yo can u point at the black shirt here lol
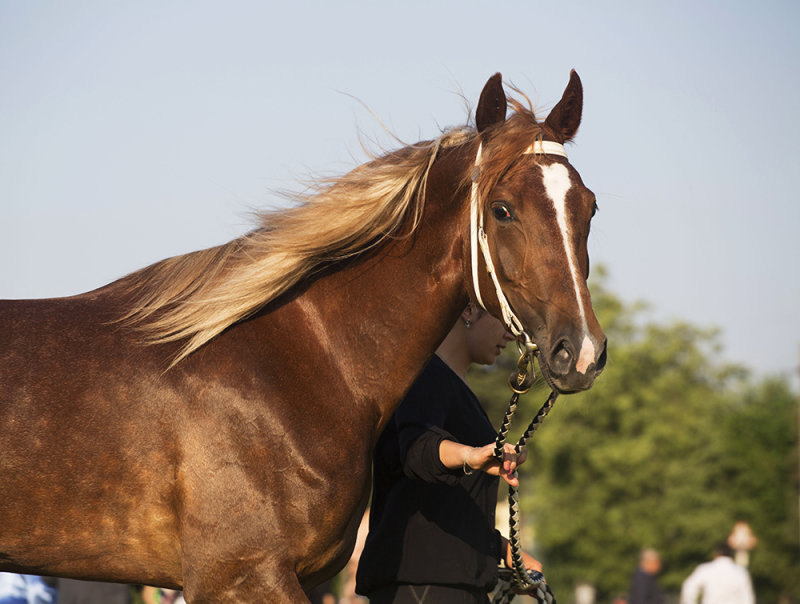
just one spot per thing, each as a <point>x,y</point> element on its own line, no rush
<point>429,524</point>
<point>644,589</point>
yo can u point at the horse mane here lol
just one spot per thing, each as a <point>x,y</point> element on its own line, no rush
<point>196,296</point>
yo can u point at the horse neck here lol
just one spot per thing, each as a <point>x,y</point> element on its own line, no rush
<point>385,316</point>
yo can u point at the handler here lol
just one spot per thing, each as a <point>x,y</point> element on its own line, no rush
<point>431,527</point>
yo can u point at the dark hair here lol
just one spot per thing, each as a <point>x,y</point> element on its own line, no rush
<point>723,549</point>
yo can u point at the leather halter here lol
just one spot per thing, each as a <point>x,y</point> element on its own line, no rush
<point>478,238</point>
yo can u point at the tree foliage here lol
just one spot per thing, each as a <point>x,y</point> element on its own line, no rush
<point>668,450</point>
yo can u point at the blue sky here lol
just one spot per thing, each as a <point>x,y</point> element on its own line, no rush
<point>134,131</point>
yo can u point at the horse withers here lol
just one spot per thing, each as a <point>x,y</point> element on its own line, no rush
<point>207,423</point>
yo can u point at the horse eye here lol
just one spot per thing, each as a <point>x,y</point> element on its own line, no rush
<point>595,209</point>
<point>501,212</point>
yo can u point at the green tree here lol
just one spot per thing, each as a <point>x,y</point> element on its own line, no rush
<point>760,468</point>
<point>667,450</point>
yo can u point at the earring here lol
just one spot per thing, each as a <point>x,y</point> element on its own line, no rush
<point>467,323</point>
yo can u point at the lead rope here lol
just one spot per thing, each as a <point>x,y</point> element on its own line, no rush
<point>529,580</point>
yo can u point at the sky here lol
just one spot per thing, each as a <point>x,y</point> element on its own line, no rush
<point>134,131</point>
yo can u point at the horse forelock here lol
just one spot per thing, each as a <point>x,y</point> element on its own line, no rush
<point>506,144</point>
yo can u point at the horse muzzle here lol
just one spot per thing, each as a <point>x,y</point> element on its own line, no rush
<point>572,365</point>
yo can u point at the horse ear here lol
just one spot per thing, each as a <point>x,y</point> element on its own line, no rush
<point>565,117</point>
<point>492,104</point>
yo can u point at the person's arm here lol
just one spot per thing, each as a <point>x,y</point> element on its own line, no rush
<point>454,455</point>
<point>530,562</point>
<point>750,596</point>
<point>690,589</point>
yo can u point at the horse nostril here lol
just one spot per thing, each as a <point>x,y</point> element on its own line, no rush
<point>561,359</point>
<point>601,362</point>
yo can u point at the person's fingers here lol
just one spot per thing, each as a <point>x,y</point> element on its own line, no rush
<point>483,458</point>
<point>508,455</point>
<point>511,478</point>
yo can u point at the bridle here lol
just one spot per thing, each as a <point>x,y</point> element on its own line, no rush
<point>478,238</point>
<point>520,381</point>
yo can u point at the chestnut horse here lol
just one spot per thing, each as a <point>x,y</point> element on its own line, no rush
<point>207,423</point>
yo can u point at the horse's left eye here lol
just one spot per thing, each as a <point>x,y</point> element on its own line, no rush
<point>501,212</point>
<point>595,209</point>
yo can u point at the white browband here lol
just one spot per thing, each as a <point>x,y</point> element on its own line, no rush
<point>546,148</point>
<point>478,237</point>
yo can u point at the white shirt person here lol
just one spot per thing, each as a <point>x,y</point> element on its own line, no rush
<point>720,581</point>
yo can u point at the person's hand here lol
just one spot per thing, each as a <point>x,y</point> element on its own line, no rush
<point>538,592</point>
<point>482,458</point>
<point>530,562</point>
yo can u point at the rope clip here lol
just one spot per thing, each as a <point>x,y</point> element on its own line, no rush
<point>521,380</point>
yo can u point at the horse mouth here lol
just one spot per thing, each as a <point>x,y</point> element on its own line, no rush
<point>548,377</point>
<point>563,384</point>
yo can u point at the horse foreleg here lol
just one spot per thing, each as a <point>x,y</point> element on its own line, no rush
<point>259,584</point>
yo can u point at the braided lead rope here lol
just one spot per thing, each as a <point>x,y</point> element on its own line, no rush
<point>536,421</point>
<point>519,383</point>
<point>502,433</point>
<point>521,576</point>
<point>504,594</point>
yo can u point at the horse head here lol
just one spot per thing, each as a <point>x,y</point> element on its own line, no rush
<point>530,222</point>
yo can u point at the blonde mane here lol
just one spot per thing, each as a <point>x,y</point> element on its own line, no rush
<point>195,297</point>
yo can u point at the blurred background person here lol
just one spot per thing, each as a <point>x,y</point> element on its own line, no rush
<point>644,582</point>
<point>720,581</point>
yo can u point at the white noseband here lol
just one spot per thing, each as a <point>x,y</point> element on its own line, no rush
<point>478,237</point>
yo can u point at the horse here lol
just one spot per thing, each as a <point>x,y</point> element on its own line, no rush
<point>207,423</point>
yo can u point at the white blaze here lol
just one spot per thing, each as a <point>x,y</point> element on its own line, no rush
<point>556,184</point>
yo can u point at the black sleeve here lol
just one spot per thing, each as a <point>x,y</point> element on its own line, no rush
<point>422,461</point>
<point>420,421</point>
